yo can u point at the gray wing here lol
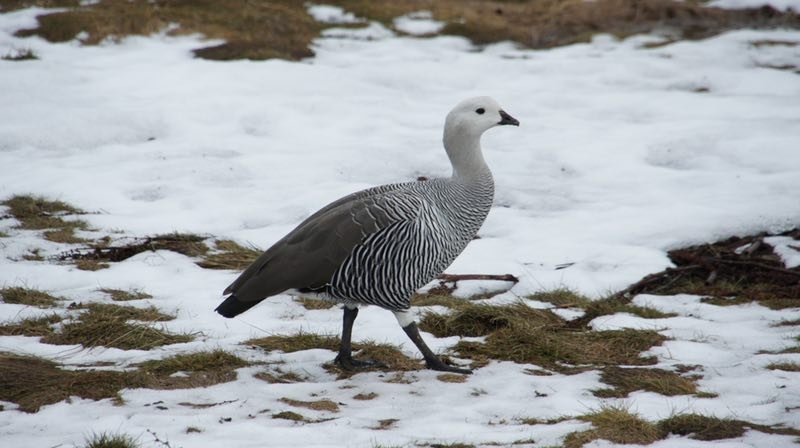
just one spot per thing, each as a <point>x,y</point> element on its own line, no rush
<point>309,255</point>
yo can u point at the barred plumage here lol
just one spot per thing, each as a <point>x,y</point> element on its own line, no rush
<point>378,246</point>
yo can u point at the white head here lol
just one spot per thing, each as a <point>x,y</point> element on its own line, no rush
<point>476,115</point>
<point>463,128</point>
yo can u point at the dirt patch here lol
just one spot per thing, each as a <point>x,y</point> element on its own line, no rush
<point>736,270</point>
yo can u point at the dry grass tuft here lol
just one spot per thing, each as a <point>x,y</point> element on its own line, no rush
<point>522,334</point>
<point>107,325</point>
<point>480,319</point>
<point>296,342</point>
<point>562,298</point>
<point>627,380</point>
<point>365,397</point>
<point>106,440</point>
<point>316,405</point>
<point>229,254</point>
<point>701,427</point>
<point>36,327</point>
<point>110,311</point>
<point>289,415</point>
<point>38,213</point>
<point>200,369</point>
<point>27,296</point>
<point>446,301</point>
<point>280,377</point>
<point>33,382</point>
<point>786,366</point>
<point>617,425</point>
<point>120,295</point>
<point>451,378</point>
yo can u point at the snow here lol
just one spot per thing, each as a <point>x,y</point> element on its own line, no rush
<point>623,153</point>
<point>782,5</point>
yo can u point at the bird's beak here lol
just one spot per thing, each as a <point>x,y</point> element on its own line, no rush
<point>507,119</point>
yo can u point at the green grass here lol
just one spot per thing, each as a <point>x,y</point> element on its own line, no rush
<point>28,296</point>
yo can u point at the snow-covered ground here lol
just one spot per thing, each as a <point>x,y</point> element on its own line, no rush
<point>624,151</point>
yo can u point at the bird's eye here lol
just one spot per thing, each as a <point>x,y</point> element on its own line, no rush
<point>480,111</point>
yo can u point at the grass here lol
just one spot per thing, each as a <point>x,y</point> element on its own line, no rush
<point>786,366</point>
<point>252,30</point>
<point>617,425</point>
<point>112,311</point>
<point>296,342</point>
<point>201,369</point>
<point>35,326</point>
<point>28,296</point>
<point>365,397</point>
<point>261,30</point>
<point>121,295</point>
<point>289,415</point>
<point>33,382</point>
<point>386,354</point>
<point>38,213</point>
<point>316,405</point>
<point>106,440</point>
<point>522,334</point>
<point>278,376</point>
<point>626,380</point>
<point>229,254</point>
<point>107,325</point>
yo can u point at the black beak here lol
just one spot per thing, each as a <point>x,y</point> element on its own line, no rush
<point>507,119</point>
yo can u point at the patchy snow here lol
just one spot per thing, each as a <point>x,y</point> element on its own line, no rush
<point>332,14</point>
<point>782,5</point>
<point>623,153</point>
<point>418,23</point>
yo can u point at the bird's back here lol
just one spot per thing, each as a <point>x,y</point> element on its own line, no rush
<point>376,246</point>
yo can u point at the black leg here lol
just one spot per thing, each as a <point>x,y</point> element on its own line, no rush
<point>345,357</point>
<point>432,361</point>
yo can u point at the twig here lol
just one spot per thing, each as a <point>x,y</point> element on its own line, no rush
<point>459,277</point>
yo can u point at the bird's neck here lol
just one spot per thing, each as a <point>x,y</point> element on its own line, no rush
<point>464,151</point>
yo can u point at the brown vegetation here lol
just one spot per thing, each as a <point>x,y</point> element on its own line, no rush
<point>262,30</point>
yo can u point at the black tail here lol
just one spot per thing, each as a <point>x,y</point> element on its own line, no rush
<point>232,306</point>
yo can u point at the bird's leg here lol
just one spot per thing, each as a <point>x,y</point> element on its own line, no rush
<point>345,357</point>
<point>431,360</point>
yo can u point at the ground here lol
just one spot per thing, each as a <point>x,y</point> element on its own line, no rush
<point>635,283</point>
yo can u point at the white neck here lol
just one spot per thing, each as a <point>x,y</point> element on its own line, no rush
<point>464,150</point>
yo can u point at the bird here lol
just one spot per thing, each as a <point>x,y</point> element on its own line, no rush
<point>380,245</point>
